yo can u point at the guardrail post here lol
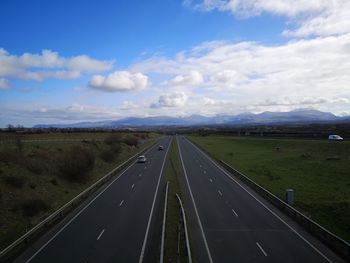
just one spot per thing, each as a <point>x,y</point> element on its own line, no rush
<point>290,196</point>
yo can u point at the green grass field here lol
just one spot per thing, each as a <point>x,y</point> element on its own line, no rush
<point>317,170</point>
<point>172,172</point>
<point>30,172</point>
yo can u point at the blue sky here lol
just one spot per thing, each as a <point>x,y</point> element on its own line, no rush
<point>69,61</point>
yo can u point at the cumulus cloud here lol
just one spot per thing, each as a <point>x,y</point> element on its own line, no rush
<point>119,81</point>
<point>227,78</point>
<point>288,101</point>
<point>193,78</point>
<point>48,64</point>
<point>248,8</point>
<point>248,73</point>
<point>4,84</point>
<point>28,114</point>
<point>172,100</point>
<point>310,17</point>
<point>86,64</point>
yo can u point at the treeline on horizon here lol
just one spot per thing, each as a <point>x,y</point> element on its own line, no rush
<point>287,130</point>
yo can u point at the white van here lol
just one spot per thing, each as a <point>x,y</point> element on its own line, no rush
<point>335,137</point>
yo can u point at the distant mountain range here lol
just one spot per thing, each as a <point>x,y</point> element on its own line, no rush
<point>300,116</point>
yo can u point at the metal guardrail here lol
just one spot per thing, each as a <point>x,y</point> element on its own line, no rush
<point>189,255</point>
<point>161,260</point>
<point>339,245</point>
<point>65,209</point>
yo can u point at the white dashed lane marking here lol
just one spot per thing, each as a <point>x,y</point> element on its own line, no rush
<point>262,250</point>
<point>233,211</point>
<point>99,236</point>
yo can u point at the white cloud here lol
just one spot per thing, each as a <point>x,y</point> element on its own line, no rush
<point>28,114</point>
<point>334,20</point>
<point>227,78</point>
<point>172,100</point>
<point>128,105</point>
<point>48,64</point>
<point>58,74</point>
<point>256,7</point>
<point>310,17</point>
<point>4,83</point>
<point>193,78</point>
<point>249,73</point>
<point>86,64</point>
<point>290,101</point>
<point>119,81</point>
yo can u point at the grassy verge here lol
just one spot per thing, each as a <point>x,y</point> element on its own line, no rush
<point>172,172</point>
<point>33,183</point>
<point>317,170</point>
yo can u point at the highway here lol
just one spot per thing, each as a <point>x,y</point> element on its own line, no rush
<point>232,225</point>
<point>119,224</point>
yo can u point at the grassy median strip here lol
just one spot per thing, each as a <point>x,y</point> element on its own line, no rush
<point>317,170</point>
<point>173,249</point>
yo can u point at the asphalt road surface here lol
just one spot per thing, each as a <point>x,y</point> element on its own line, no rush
<point>233,224</point>
<point>120,224</point>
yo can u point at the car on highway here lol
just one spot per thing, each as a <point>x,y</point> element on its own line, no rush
<point>335,137</point>
<point>160,148</point>
<point>141,159</point>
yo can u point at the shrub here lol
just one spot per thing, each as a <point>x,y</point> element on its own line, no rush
<point>54,181</point>
<point>33,207</point>
<point>113,139</point>
<point>131,140</point>
<point>34,165</point>
<point>76,162</point>
<point>14,181</point>
<point>19,144</point>
<point>107,155</point>
<point>116,148</point>
<point>10,156</point>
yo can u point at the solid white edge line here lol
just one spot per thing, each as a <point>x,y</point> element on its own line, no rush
<point>99,236</point>
<point>194,205</point>
<point>161,260</point>
<point>189,254</point>
<point>233,211</point>
<point>260,202</point>
<point>82,210</point>
<point>262,250</point>
<point>154,201</point>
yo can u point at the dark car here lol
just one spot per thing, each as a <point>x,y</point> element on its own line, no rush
<point>160,148</point>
